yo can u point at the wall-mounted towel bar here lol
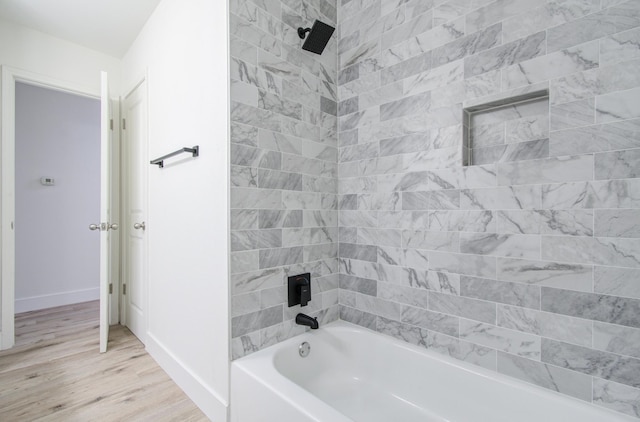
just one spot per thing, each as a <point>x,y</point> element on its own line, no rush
<point>195,151</point>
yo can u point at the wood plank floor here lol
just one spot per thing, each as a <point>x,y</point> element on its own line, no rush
<point>55,373</point>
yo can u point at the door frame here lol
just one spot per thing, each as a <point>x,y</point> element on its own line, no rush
<point>124,202</point>
<point>11,75</point>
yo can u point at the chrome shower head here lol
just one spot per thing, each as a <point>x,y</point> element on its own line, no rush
<point>319,35</point>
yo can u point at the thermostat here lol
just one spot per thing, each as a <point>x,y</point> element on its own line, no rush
<point>47,181</point>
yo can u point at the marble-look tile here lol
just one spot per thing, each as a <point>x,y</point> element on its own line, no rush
<point>487,135</point>
<point>552,65</point>
<point>617,281</point>
<point>406,295</point>
<point>255,157</point>
<point>617,165</point>
<point>358,218</point>
<point>245,303</point>
<point>462,177</point>
<point>243,134</point>
<point>620,47</point>
<point>468,45</point>
<point>278,257</point>
<point>529,128</point>
<point>361,252</point>
<point>559,327</point>
<point>477,310</point>
<point>413,258</point>
<point>242,240</point>
<point>244,177</point>
<point>570,222</point>
<point>618,106</point>
<point>442,200</point>
<point>463,221</point>
<point>557,379</point>
<point>358,284</point>
<point>518,221</point>
<point>514,197</point>
<point>618,397</point>
<point>358,317</point>
<point>244,324</point>
<point>411,66</point>
<point>360,53</point>
<point>382,237</point>
<point>378,306</point>
<point>255,198</point>
<point>433,321</point>
<point>272,179</point>
<point>505,55</point>
<point>447,11</point>
<point>510,341</point>
<point>617,223</point>
<point>501,292</point>
<point>244,261</point>
<point>592,362</point>
<point>411,28</point>
<point>549,170</point>
<point>434,241</point>
<point>550,14</point>
<point>616,339</point>
<point>596,25</point>
<point>278,66</point>
<point>610,309</point>
<point>522,151</point>
<point>599,250</point>
<point>247,282</point>
<point>407,106</point>
<point>573,114</point>
<point>496,12</point>
<point>597,138</point>
<point>271,219</point>
<point>244,93</point>
<point>505,245</point>
<point>463,350</point>
<point>276,141</point>
<point>599,194</point>
<point>255,117</point>
<point>446,81</point>
<point>545,273</point>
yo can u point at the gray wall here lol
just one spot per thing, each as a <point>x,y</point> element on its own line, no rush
<point>529,264</point>
<point>57,257</point>
<point>284,169</point>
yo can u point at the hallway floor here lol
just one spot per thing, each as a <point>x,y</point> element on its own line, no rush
<point>55,373</point>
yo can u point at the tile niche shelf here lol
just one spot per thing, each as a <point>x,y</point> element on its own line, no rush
<point>509,129</point>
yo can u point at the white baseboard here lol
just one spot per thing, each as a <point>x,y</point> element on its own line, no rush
<point>56,299</point>
<point>211,404</point>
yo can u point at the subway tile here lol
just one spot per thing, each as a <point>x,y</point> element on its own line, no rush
<point>407,106</point>
<point>477,310</point>
<point>496,12</point>
<point>514,152</point>
<point>603,308</point>
<point>547,376</point>
<point>361,252</point>
<point>549,170</point>
<point>279,257</point>
<point>413,258</point>
<point>379,307</point>
<point>617,281</point>
<point>415,297</point>
<point>468,45</point>
<point>243,219</point>
<point>596,25</point>
<point>598,194</point>
<point>546,273</point>
<point>501,292</point>
<point>559,327</point>
<point>514,197</point>
<point>573,114</point>
<point>244,324</point>
<point>592,362</point>
<point>463,221</point>
<point>251,281</point>
<point>434,241</point>
<point>617,165</point>
<point>462,350</point>
<point>587,250</point>
<point>510,341</point>
<point>506,245</point>
<point>618,397</point>
<point>620,47</point>
<point>272,179</point>
<point>616,339</point>
<point>618,106</point>
<point>597,138</point>
<point>429,320</point>
<point>242,240</point>
<point>358,317</point>
<point>617,223</point>
<point>505,55</point>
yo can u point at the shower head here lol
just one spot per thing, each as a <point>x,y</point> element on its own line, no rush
<point>319,35</point>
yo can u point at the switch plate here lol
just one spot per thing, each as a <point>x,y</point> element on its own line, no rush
<point>294,297</point>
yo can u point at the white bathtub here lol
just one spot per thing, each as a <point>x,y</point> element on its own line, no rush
<point>353,374</point>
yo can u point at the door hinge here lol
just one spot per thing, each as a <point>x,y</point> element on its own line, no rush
<point>124,124</point>
<point>124,289</point>
<point>111,124</point>
<point>110,288</point>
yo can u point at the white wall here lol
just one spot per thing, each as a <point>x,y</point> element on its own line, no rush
<point>57,258</point>
<point>184,48</point>
<point>27,49</point>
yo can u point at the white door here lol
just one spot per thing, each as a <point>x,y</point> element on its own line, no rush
<point>135,208</point>
<point>105,226</point>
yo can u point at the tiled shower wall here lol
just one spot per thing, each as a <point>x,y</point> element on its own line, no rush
<point>284,169</point>
<point>529,262</point>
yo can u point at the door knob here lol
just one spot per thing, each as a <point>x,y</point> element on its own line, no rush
<point>94,227</point>
<point>113,226</point>
<point>139,226</point>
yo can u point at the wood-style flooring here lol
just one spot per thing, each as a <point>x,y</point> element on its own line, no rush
<point>55,373</point>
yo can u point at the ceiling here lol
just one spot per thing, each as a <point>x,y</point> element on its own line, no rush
<point>109,26</point>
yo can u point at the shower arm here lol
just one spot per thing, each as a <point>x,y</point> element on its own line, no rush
<point>302,32</point>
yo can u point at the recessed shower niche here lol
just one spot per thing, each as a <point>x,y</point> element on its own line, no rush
<point>511,129</point>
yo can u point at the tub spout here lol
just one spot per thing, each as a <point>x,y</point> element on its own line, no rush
<point>302,319</point>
